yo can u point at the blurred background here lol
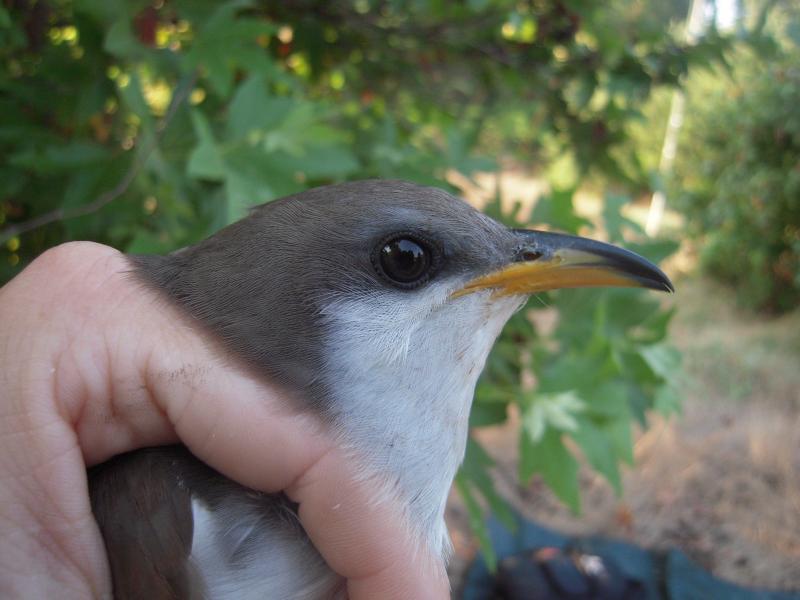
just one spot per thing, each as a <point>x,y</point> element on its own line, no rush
<point>669,126</point>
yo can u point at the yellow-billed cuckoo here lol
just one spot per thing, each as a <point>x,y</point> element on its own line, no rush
<point>376,303</point>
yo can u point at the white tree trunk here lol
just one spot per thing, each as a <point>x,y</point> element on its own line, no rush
<point>695,23</point>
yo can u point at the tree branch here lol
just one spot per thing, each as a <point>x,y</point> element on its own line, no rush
<point>182,92</point>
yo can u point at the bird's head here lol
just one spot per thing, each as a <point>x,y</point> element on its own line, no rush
<point>375,304</point>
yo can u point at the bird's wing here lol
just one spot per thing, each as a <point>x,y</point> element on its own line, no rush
<point>176,529</point>
<point>145,517</point>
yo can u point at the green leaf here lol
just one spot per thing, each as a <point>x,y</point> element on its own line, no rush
<point>551,410</point>
<point>120,40</point>
<point>146,242</point>
<point>655,251</point>
<point>478,5</point>
<point>570,371</point>
<point>654,329</point>
<point>554,462</point>
<point>619,433</point>
<point>329,160</point>
<point>667,400</point>
<point>227,42</point>
<point>103,10</point>
<point>63,158</point>
<point>492,392</point>
<point>133,97</point>
<point>503,364</point>
<point>606,399</point>
<point>484,414</point>
<point>242,193</point>
<point>614,220</point>
<point>664,360</point>
<point>639,403</point>
<point>458,153</point>
<point>580,90</point>
<point>82,186</point>
<point>793,31</point>
<point>599,451</point>
<point>205,160</point>
<point>253,109</point>
<point>635,368</point>
<point>253,177</point>
<point>476,468</point>
<point>627,309</point>
<point>476,521</point>
<point>304,126</point>
<point>557,211</point>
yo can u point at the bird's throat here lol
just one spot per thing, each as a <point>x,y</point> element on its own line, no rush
<point>403,378</point>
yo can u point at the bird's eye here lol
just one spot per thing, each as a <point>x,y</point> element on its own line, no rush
<point>405,260</point>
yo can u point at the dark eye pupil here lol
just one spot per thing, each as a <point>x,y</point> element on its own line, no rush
<point>404,260</point>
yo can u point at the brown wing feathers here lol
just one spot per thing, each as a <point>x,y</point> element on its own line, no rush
<point>145,517</point>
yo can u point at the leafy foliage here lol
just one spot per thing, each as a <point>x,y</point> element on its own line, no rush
<point>148,125</point>
<point>604,365</point>
<point>740,174</point>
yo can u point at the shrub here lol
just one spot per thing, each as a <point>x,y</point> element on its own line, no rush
<point>739,177</point>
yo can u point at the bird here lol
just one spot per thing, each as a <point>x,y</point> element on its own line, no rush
<point>376,304</point>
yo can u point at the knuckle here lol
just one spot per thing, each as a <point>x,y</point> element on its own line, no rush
<point>72,255</point>
<point>73,273</point>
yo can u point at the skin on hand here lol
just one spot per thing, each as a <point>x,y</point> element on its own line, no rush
<point>93,365</point>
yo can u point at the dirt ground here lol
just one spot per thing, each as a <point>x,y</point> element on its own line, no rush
<point>722,480</point>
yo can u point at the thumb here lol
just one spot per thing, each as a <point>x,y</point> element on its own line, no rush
<point>132,371</point>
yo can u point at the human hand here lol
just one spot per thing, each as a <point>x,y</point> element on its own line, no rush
<point>94,365</point>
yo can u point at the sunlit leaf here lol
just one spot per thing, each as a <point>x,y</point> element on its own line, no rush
<point>558,411</point>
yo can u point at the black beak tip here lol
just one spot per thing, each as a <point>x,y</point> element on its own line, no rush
<point>663,284</point>
<point>645,272</point>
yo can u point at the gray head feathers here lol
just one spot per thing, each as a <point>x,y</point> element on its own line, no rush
<point>261,284</point>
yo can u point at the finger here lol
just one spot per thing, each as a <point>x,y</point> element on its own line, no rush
<point>363,535</point>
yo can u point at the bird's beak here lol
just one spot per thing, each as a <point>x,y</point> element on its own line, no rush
<point>544,261</point>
